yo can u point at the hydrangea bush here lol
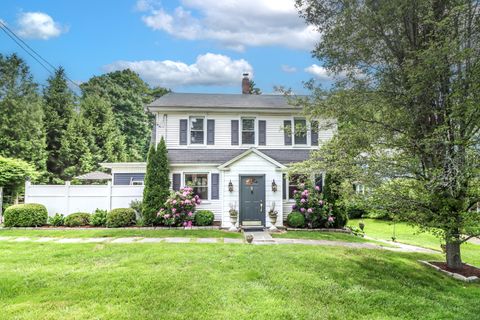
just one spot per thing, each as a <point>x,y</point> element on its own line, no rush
<point>309,202</point>
<point>179,209</point>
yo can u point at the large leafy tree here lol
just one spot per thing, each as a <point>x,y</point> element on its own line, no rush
<point>22,133</point>
<point>127,94</point>
<point>13,173</point>
<point>109,142</point>
<point>407,104</point>
<point>157,182</point>
<point>59,103</point>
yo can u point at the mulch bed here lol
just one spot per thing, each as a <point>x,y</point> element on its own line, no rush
<point>466,271</point>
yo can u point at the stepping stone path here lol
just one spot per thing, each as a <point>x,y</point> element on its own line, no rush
<point>259,238</point>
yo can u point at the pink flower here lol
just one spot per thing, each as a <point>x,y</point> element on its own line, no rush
<point>331,219</point>
<point>174,210</point>
<point>302,200</point>
<point>189,224</point>
<point>188,201</point>
<point>317,188</point>
<point>174,202</point>
<point>190,213</point>
<point>185,224</point>
<point>177,215</point>
<point>166,216</point>
<point>185,194</point>
<point>302,209</point>
<point>310,210</point>
<point>197,197</point>
<point>295,191</point>
<point>199,201</point>
<point>320,202</point>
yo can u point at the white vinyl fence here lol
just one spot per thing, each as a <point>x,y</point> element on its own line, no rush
<point>67,199</point>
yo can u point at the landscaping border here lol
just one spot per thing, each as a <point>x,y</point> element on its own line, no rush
<point>119,228</point>
<point>452,274</point>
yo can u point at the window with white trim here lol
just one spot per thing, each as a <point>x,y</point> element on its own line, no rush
<point>197,130</point>
<point>294,182</point>
<point>300,129</point>
<point>248,130</point>
<point>199,183</point>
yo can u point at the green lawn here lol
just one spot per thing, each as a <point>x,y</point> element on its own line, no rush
<point>381,229</point>
<point>320,235</point>
<point>98,233</point>
<point>218,281</point>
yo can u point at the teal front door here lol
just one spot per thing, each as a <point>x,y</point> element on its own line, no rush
<point>252,200</point>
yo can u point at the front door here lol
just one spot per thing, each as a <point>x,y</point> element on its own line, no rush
<point>252,200</point>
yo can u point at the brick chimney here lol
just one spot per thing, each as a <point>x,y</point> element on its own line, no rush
<point>245,84</point>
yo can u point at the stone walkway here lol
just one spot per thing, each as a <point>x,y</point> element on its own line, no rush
<point>260,238</point>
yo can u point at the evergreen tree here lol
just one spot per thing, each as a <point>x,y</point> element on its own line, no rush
<point>127,95</point>
<point>22,134</point>
<point>59,103</point>
<point>157,183</point>
<point>78,148</point>
<point>109,142</point>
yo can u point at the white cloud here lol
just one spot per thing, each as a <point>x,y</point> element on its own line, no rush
<point>234,24</point>
<point>208,70</point>
<point>319,72</point>
<point>38,25</point>
<point>288,69</point>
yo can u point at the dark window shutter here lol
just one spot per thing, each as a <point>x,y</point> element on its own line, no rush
<point>287,126</point>
<point>176,181</point>
<point>262,132</point>
<point>215,186</point>
<point>314,135</point>
<point>284,186</point>
<point>210,131</point>
<point>234,132</point>
<point>183,131</point>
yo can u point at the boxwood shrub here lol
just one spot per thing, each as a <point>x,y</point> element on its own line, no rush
<point>77,219</point>
<point>121,217</point>
<point>25,215</point>
<point>296,220</point>
<point>204,218</point>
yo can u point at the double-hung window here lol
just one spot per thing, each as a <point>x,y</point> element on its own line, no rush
<point>300,129</point>
<point>248,130</point>
<point>199,183</point>
<point>197,130</point>
<point>294,182</point>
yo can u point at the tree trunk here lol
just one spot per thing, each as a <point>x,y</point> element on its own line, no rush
<point>454,260</point>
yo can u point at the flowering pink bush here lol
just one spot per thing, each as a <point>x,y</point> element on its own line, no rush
<point>179,209</point>
<point>309,202</point>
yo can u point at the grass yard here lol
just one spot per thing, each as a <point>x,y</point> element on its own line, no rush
<point>217,281</point>
<point>99,233</point>
<point>381,229</point>
<point>320,235</point>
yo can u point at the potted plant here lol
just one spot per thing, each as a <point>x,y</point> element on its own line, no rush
<point>273,214</point>
<point>233,217</point>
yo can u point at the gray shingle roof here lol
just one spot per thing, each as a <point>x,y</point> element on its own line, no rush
<point>233,101</point>
<point>220,156</point>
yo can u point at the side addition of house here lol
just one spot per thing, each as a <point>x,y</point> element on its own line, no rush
<point>233,149</point>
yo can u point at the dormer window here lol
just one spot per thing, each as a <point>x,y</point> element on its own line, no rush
<point>248,130</point>
<point>197,130</point>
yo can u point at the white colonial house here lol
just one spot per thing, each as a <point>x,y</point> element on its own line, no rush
<point>233,150</point>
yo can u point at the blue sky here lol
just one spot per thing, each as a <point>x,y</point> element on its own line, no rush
<point>186,45</point>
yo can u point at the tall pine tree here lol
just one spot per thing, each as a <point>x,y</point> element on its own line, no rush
<point>107,137</point>
<point>59,103</point>
<point>78,148</point>
<point>157,182</point>
<point>22,133</point>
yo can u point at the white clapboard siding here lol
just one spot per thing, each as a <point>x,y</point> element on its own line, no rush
<point>169,127</point>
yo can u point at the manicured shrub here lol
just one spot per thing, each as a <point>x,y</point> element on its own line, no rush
<point>121,217</point>
<point>296,220</point>
<point>99,218</point>
<point>179,208</point>
<point>340,217</point>
<point>204,218</point>
<point>25,215</point>
<point>77,219</point>
<point>57,220</point>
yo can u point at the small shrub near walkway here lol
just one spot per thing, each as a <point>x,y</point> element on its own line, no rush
<point>25,215</point>
<point>121,217</point>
